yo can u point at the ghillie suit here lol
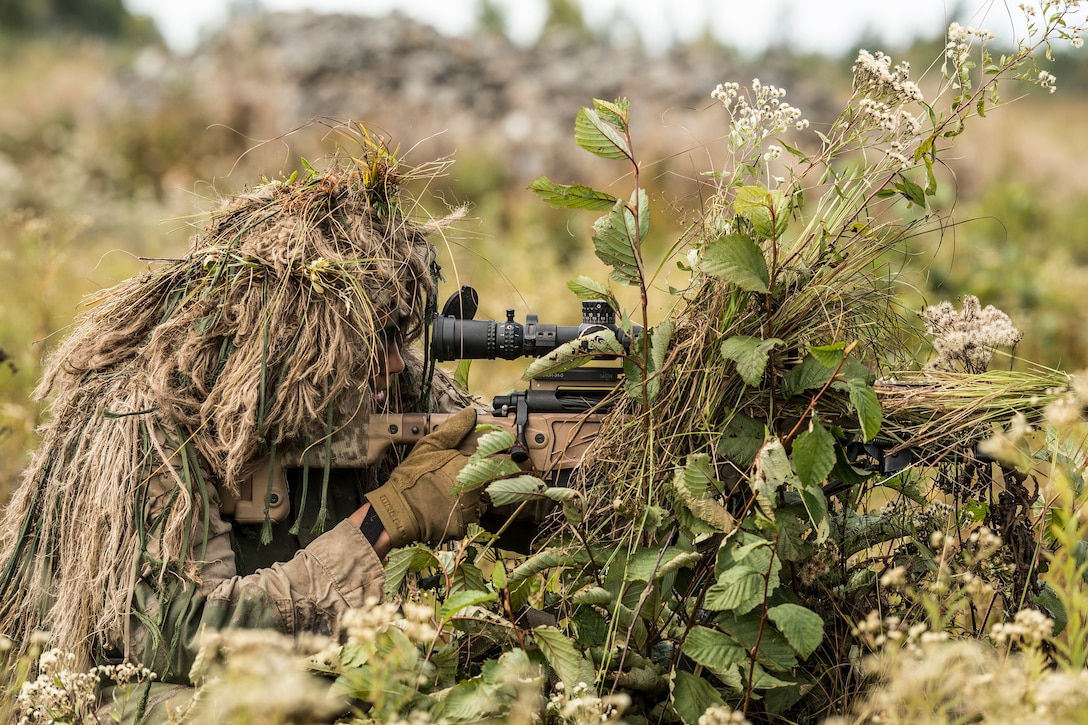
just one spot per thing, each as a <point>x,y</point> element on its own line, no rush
<point>264,338</point>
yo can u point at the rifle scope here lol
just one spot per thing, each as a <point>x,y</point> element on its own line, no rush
<point>457,339</point>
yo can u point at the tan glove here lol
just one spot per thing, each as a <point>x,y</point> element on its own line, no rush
<point>415,503</point>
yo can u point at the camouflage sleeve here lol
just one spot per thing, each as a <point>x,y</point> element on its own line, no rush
<point>306,594</point>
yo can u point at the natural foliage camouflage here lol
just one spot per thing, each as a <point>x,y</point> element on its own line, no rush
<point>183,373</point>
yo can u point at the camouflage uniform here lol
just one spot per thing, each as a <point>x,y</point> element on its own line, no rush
<point>296,584</point>
<point>306,593</point>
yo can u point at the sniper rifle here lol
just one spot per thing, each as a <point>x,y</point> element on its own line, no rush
<point>553,422</point>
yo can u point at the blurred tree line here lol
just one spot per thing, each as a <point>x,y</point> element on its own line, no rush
<point>104,18</point>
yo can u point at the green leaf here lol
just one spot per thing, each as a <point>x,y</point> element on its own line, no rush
<point>641,201</point>
<point>460,373</point>
<point>576,353</point>
<point>790,529</point>
<point>738,589</point>
<point>586,288</point>
<point>682,560</point>
<point>695,486</point>
<point>574,504</point>
<point>660,336</point>
<point>867,405</point>
<point>692,696</point>
<point>751,550</point>
<point>658,339</point>
<point>697,477</point>
<point>541,562</point>
<point>494,441</point>
<point>814,454</point>
<point>742,439</point>
<point>648,563</point>
<point>809,374</point>
<point>402,561</point>
<point>600,137</point>
<point>801,156</point>
<point>763,680</point>
<point>712,649</point>
<point>466,578</point>
<point>569,666</point>
<point>615,239</point>
<point>756,554</point>
<point>751,355</point>
<point>767,211</point>
<point>479,471</point>
<point>914,193</point>
<point>516,490</point>
<point>816,506</point>
<point>1048,600</point>
<point>803,628</point>
<point>614,113</point>
<point>853,371</point>
<point>738,260</point>
<point>470,701</point>
<point>575,196</point>
<point>498,575</point>
<point>828,355</point>
<point>773,469</point>
<point>593,595</point>
<point>774,651</point>
<point>444,659</point>
<point>461,600</point>
<point>774,465</point>
<point>589,626</point>
<point>559,493</point>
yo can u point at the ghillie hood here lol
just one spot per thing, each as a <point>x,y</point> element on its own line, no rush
<point>264,335</point>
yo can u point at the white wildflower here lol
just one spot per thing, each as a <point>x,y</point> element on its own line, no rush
<point>894,578</point>
<point>1005,445</point>
<point>418,623</point>
<point>60,693</point>
<point>1064,412</point>
<point>726,93</point>
<point>362,624</point>
<point>1029,627</point>
<point>959,41</point>
<point>722,715</point>
<point>964,341</point>
<point>693,264</point>
<point>1079,383</point>
<point>876,78</point>
<point>582,705</point>
<point>1048,81</point>
<point>757,118</point>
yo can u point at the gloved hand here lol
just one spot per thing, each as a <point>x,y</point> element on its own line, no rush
<point>415,503</point>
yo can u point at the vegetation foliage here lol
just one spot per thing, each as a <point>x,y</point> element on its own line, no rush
<point>790,514</point>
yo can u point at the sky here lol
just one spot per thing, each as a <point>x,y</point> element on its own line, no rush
<point>808,25</point>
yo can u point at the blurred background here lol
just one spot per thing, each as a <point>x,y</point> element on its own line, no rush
<point>121,121</point>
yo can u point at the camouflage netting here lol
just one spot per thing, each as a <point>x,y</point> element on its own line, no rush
<point>264,335</point>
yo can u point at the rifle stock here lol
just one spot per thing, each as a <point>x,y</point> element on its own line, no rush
<point>551,442</point>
